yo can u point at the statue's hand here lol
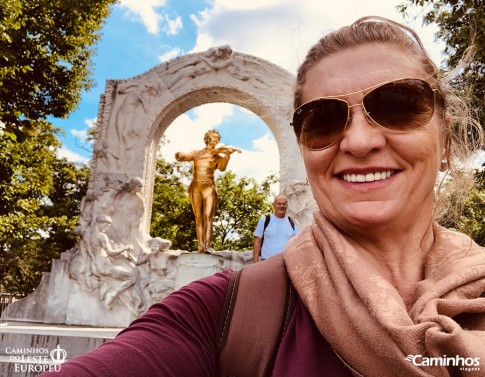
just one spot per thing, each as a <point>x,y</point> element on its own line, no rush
<point>227,150</point>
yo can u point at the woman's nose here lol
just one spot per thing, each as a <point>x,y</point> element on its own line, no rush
<point>362,136</point>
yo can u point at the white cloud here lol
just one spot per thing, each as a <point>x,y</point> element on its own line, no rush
<point>282,31</point>
<point>82,135</point>
<point>173,25</point>
<point>247,4</point>
<point>170,54</point>
<point>186,134</point>
<point>71,156</point>
<point>145,10</point>
<point>91,122</point>
<point>249,163</point>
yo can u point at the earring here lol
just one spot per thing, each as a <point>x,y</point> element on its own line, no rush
<point>444,165</point>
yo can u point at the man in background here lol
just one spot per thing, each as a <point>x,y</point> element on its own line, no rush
<point>273,231</point>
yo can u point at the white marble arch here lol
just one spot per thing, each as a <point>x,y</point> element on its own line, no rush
<point>134,114</point>
<point>117,269</point>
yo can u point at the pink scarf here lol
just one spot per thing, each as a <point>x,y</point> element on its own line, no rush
<point>365,320</point>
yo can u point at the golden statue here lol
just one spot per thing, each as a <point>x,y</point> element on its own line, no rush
<point>202,189</point>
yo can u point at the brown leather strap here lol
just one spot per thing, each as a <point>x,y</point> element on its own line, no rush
<point>259,304</point>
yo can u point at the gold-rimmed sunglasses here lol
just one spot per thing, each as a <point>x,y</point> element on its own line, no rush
<point>400,106</point>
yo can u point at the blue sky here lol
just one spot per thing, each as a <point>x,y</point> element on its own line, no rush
<point>140,34</point>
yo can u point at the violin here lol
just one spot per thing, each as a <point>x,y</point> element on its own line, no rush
<point>226,149</point>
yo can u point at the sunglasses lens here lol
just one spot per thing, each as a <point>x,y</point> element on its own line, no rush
<point>401,105</point>
<point>320,123</point>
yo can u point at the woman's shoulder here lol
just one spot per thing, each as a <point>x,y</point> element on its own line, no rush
<point>208,292</point>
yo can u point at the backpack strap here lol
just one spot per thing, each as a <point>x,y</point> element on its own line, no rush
<point>259,304</point>
<point>266,223</point>
<point>292,223</point>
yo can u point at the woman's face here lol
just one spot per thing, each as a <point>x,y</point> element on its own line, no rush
<point>392,202</point>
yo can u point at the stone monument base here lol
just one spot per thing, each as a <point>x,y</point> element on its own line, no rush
<point>59,299</point>
<point>28,349</point>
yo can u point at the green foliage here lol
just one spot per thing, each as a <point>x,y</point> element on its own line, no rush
<point>45,55</point>
<point>39,203</point>
<point>241,203</point>
<point>25,177</point>
<point>472,221</point>
<point>45,58</point>
<point>460,24</point>
<point>172,216</point>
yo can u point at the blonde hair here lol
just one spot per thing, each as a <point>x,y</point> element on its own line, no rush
<point>462,134</point>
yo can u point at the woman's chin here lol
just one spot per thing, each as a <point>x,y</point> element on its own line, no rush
<point>367,215</point>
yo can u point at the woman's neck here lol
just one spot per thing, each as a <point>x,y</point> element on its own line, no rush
<point>399,258</point>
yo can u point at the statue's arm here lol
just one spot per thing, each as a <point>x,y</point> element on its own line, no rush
<point>183,157</point>
<point>223,161</point>
<point>110,250</point>
<point>226,151</point>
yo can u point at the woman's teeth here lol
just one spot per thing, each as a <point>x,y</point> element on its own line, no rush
<point>369,177</point>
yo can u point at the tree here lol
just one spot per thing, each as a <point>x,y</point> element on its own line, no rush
<point>172,216</point>
<point>241,203</point>
<point>45,59</point>
<point>25,180</point>
<point>45,54</point>
<point>472,221</point>
<point>460,24</point>
<point>39,200</point>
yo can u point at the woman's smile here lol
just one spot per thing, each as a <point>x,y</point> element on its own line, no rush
<point>367,177</point>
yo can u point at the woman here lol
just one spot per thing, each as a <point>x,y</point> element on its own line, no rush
<point>382,289</point>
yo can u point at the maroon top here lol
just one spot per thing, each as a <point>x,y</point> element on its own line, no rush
<point>176,337</point>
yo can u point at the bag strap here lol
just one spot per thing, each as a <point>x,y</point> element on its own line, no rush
<point>292,222</point>
<point>266,223</point>
<point>259,304</point>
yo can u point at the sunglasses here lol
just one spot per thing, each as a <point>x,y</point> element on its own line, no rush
<point>400,106</point>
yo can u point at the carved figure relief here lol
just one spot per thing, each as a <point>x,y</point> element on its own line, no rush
<point>112,260</point>
<point>210,61</point>
<point>300,201</point>
<point>107,261</point>
<point>128,122</point>
<point>128,215</point>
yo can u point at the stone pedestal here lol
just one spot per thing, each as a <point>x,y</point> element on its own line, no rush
<point>27,349</point>
<point>59,299</point>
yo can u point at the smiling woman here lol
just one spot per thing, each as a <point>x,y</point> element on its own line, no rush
<point>375,285</point>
